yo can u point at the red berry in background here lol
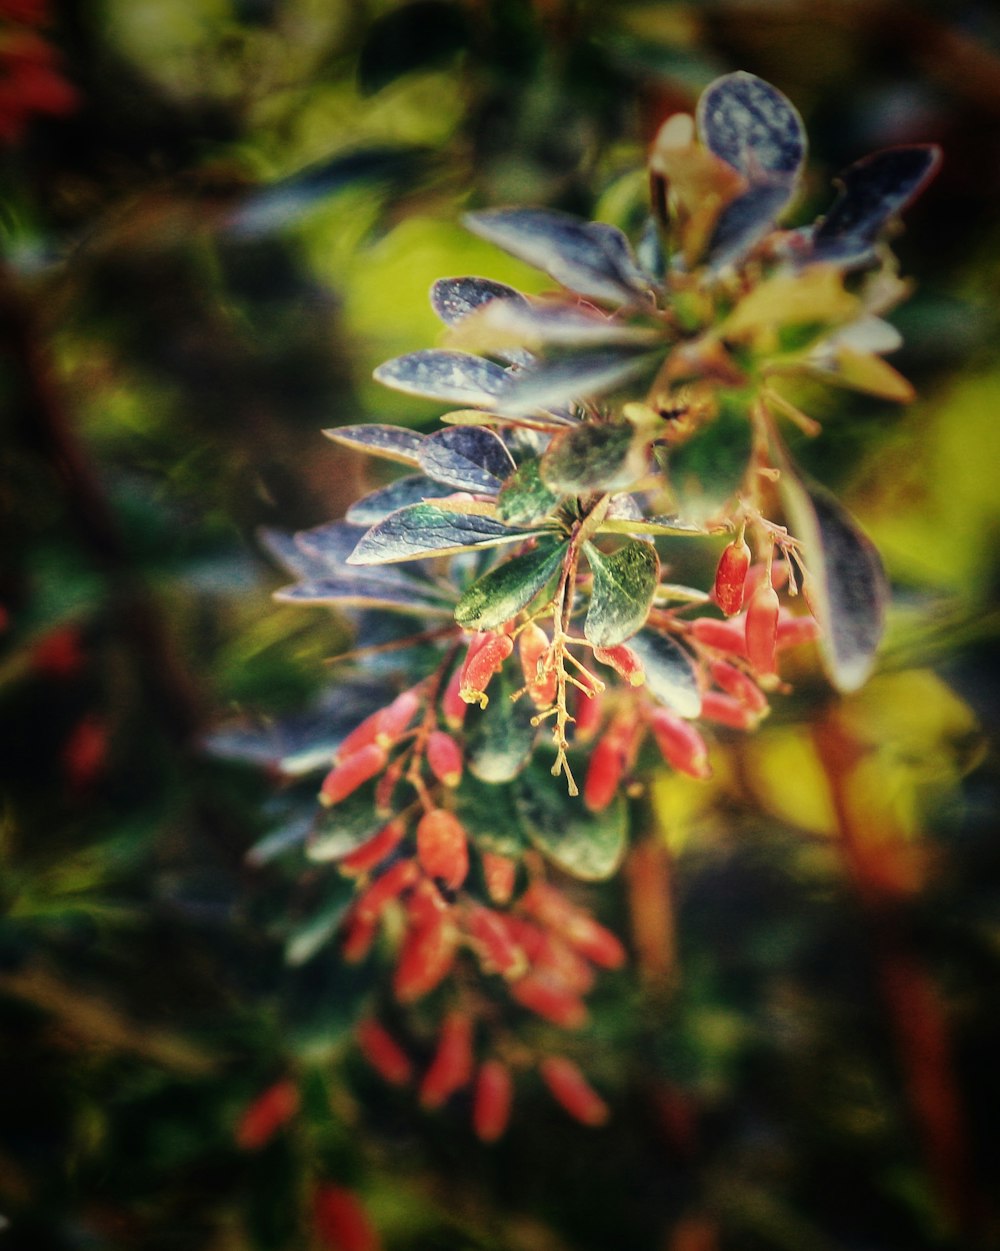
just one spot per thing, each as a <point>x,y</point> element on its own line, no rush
<point>451,1068</point>
<point>550,998</point>
<point>624,661</point>
<point>552,908</point>
<point>587,715</point>
<point>358,936</point>
<point>85,752</point>
<point>492,1100</point>
<point>425,959</point>
<point>500,873</point>
<point>444,758</point>
<point>762,629</point>
<point>371,854</point>
<point>724,636</point>
<point>793,631</point>
<point>532,645</point>
<point>341,1222</point>
<point>493,938</point>
<point>731,576</point>
<point>572,1090</point>
<point>262,1119</point>
<point>59,654</point>
<point>345,778</point>
<point>738,684</point>
<point>443,847</point>
<point>383,1053</point>
<point>485,658</point>
<point>396,718</point>
<point>680,744</point>
<point>453,706</point>
<point>396,879</point>
<point>27,12</point>
<point>605,770</point>
<point>724,710</point>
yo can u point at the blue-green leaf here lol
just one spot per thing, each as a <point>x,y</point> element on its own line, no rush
<point>502,592</point>
<point>438,374</point>
<point>427,530</point>
<point>621,596</point>
<point>671,677</point>
<point>391,442</point>
<point>586,845</point>
<point>469,458</point>
<point>377,505</point>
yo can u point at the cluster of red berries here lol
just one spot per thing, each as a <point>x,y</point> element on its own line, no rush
<point>31,82</point>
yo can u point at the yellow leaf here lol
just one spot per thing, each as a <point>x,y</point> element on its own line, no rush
<point>815,294</point>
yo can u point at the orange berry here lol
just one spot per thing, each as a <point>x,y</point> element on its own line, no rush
<point>500,873</point>
<point>549,998</point>
<point>443,847</point>
<point>604,772</point>
<point>480,666</point>
<point>532,646</point>
<point>491,1104</point>
<point>571,1089</point>
<point>425,959</point>
<point>498,951</point>
<point>738,684</point>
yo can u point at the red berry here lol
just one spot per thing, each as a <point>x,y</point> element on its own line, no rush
<point>570,1088</point>
<point>549,998</point>
<point>345,778</point>
<point>738,684</point>
<point>680,744</point>
<point>444,758</point>
<point>724,636</point>
<point>762,629</point>
<point>383,1053</point>
<point>453,706</point>
<point>443,847</point>
<point>395,719</point>
<point>451,1068</point>
<point>491,1106</point>
<point>587,717</point>
<point>480,666</point>
<point>560,914</point>
<point>731,575</point>
<point>358,936</point>
<point>724,710</point>
<point>498,951</point>
<point>604,772</point>
<point>624,661</point>
<point>425,959</point>
<point>795,630</point>
<point>272,1109</point>
<point>341,1221</point>
<point>396,879</point>
<point>532,646</point>
<point>372,853</point>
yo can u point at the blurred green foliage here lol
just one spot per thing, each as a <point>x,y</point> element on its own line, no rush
<point>201,266</point>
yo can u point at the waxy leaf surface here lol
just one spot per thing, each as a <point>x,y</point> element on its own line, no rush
<point>427,530</point>
<point>624,584</point>
<point>437,374</point>
<point>364,592</point>
<point>502,592</point>
<point>850,587</point>
<point>752,127</point>
<point>671,677</point>
<point>377,505</point>
<point>455,298</point>
<point>586,845</point>
<point>605,457</point>
<point>575,378</point>
<point>390,442</point>
<point>469,458</point>
<point>524,497</point>
<point>594,262</point>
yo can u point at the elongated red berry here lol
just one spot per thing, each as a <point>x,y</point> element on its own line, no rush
<point>372,853</point>
<point>453,706</point>
<point>425,959</point>
<point>731,576</point>
<point>443,847</point>
<point>358,936</point>
<point>444,758</point>
<point>587,716</point>
<point>383,1053</point>
<point>481,665</point>
<point>570,1088</point>
<point>532,647</point>
<point>724,636</point>
<point>341,1222</point>
<point>345,778</point>
<point>500,873</point>
<point>792,631</point>
<point>363,735</point>
<point>680,744</point>
<point>396,718</point>
<point>451,1068</point>
<point>725,710</point>
<point>396,879</point>
<point>762,629</point>
<point>563,965</point>
<point>574,923</point>
<point>492,937</point>
<point>491,1105</point>
<point>550,998</point>
<point>605,770</point>
<point>738,684</point>
<point>624,661</point>
<point>262,1119</point>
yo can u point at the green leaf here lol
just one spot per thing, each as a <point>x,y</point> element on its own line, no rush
<point>850,589</point>
<point>427,530</point>
<point>622,592</point>
<point>671,677</point>
<point>345,827</point>
<point>500,738</point>
<point>586,845</point>
<point>592,457</point>
<point>502,592</point>
<point>524,497</point>
<point>309,937</point>
<point>489,814</point>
